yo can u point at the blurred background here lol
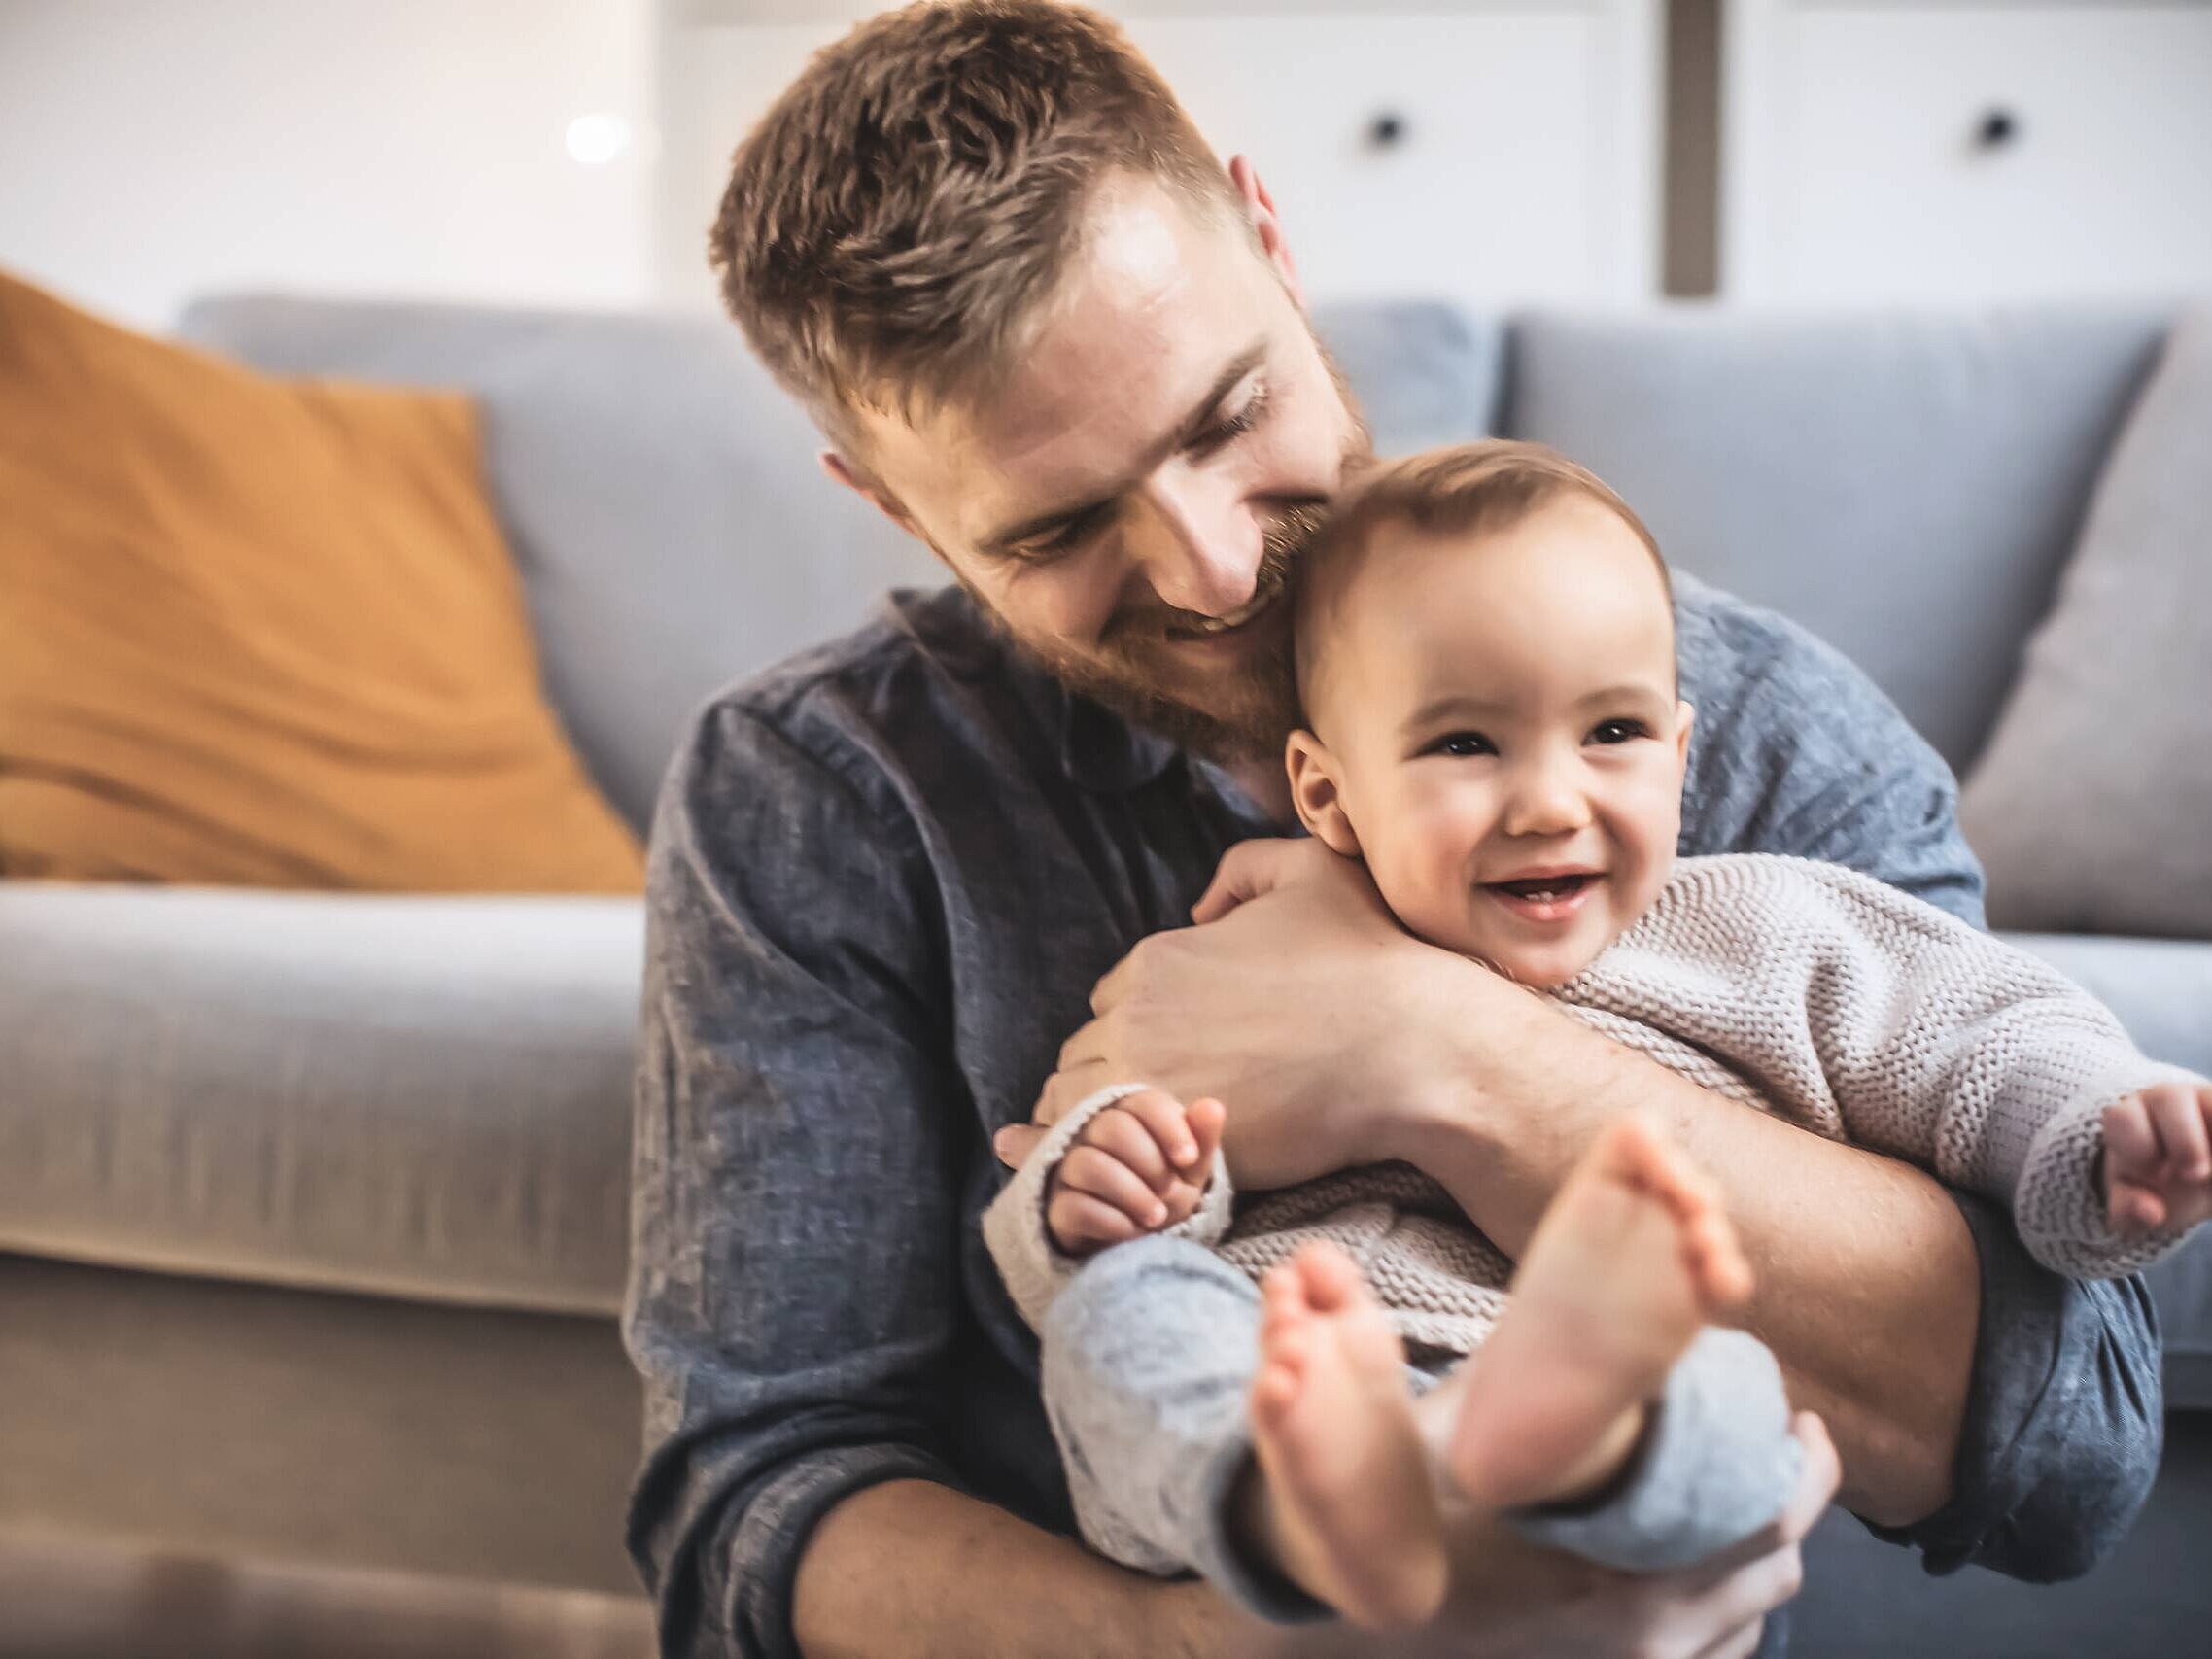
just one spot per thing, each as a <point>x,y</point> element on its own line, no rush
<point>1495,151</point>
<point>313,1205</point>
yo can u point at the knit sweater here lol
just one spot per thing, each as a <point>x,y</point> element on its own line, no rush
<point>1803,989</point>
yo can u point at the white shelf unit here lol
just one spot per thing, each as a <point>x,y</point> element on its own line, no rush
<point>1878,151</point>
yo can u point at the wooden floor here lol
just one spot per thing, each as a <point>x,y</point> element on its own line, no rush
<point>61,1601</point>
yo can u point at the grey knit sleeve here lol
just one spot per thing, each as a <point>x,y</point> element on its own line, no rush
<point>1986,1063</point>
<point>1035,1268</point>
<point>1870,1015</point>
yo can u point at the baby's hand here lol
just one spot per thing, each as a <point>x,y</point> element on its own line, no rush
<point>1140,1165</point>
<point>2157,1159</point>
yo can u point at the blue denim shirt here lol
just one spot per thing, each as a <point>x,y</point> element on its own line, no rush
<point>884,878</point>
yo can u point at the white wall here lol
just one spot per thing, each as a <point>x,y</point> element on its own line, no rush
<point>151,150</point>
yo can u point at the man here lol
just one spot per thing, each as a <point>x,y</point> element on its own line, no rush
<point>1048,334</point>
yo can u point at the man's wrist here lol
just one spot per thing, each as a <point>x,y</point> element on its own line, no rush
<point>1488,1110</point>
<point>1437,1101</point>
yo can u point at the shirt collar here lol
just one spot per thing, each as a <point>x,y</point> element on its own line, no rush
<point>1106,754</point>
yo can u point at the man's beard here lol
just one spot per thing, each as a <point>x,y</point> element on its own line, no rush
<point>1240,714</point>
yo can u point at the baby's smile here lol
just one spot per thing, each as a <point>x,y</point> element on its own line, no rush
<point>1549,898</point>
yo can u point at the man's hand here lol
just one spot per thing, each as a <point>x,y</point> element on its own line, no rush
<point>2157,1159</point>
<point>1299,1001</point>
<point>1513,1601</point>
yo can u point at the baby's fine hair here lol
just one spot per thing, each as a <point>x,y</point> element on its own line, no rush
<point>1490,484</point>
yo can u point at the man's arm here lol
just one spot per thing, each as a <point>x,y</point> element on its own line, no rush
<point>793,1280</point>
<point>910,1571</point>
<point>1868,1287</point>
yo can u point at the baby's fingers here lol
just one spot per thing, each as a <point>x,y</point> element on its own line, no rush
<point>1121,1133</point>
<point>2132,1208</point>
<point>2179,1119</point>
<point>1168,1125</point>
<point>1089,1171</point>
<point>1081,1224</point>
<point>2132,1152</point>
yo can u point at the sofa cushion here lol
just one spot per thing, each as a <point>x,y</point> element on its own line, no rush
<point>424,1097</point>
<point>2162,989</point>
<point>2093,809</point>
<point>662,494</point>
<point>1907,488</point>
<point>265,631</point>
<point>1423,374</point>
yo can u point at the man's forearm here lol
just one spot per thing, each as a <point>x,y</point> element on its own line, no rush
<point>1867,1281</point>
<point>910,1570</point>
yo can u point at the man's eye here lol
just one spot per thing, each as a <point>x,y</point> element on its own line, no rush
<point>1062,541</point>
<point>1619,732</point>
<point>1232,427</point>
<point>1463,745</point>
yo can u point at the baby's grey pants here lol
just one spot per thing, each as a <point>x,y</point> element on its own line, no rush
<point>1149,1353</point>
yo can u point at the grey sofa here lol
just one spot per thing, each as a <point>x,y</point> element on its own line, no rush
<point>313,1209</point>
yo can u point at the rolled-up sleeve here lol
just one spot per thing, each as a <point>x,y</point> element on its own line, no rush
<point>2063,1423</point>
<point>793,1292</point>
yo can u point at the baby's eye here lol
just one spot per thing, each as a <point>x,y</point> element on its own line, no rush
<point>1464,745</point>
<point>1619,732</point>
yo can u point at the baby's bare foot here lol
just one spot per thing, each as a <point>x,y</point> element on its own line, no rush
<point>1346,1504</point>
<point>1631,1258</point>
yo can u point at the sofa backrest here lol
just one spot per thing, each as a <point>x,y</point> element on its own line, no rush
<point>661,494</point>
<point>1906,486</point>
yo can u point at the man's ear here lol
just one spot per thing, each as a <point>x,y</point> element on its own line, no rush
<point>843,471</point>
<point>1684,718</point>
<point>1314,792</point>
<point>1260,209</point>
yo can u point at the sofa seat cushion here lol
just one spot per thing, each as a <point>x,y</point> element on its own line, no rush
<point>414,1096</point>
<point>2162,989</point>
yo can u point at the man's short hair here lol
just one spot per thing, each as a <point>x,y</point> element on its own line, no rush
<point>1490,484</point>
<point>909,202</point>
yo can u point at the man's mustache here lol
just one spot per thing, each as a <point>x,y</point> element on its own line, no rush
<point>1285,538</point>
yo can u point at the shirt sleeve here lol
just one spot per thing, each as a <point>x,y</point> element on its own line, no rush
<point>2065,1419</point>
<point>793,1292</point>
<point>1795,751</point>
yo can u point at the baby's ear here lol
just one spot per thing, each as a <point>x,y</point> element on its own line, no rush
<point>1314,792</point>
<point>1684,718</point>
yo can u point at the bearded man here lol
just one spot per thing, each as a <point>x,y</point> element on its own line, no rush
<point>920,888</point>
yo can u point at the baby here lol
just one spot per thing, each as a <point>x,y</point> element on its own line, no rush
<point>1486,666</point>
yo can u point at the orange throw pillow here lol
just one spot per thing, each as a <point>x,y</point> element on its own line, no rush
<point>265,633</point>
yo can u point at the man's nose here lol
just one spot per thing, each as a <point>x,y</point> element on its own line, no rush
<point>1546,798</point>
<point>1200,544</point>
